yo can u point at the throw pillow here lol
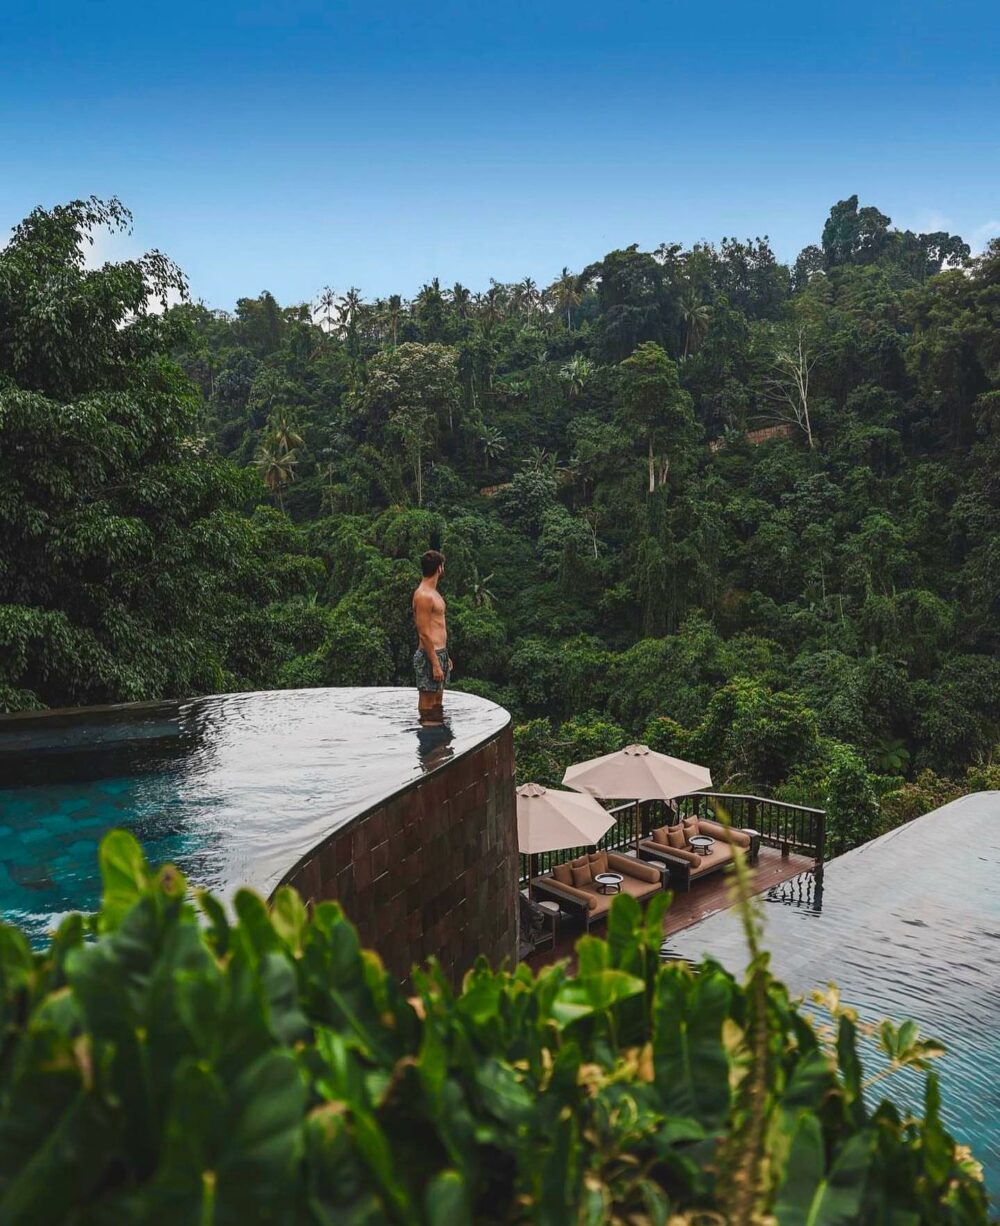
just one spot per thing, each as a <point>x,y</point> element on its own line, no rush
<point>676,836</point>
<point>660,836</point>
<point>563,874</point>
<point>599,862</point>
<point>582,876</point>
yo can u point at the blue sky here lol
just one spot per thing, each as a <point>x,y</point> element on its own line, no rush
<point>289,145</point>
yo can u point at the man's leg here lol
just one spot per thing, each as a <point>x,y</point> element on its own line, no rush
<point>430,707</point>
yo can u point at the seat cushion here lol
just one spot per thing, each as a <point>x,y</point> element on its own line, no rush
<point>640,889</point>
<point>563,874</point>
<point>720,854</point>
<point>601,902</point>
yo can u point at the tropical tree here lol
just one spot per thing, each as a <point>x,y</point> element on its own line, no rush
<point>493,443</point>
<point>575,373</point>
<point>787,381</point>
<point>696,316</point>
<point>276,468</point>
<point>656,408</point>
<point>413,391</point>
<point>565,295</point>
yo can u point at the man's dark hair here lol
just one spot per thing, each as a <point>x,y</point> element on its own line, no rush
<point>430,562</point>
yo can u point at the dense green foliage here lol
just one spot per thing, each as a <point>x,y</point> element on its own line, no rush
<point>129,567</point>
<point>268,1070</point>
<point>813,612</point>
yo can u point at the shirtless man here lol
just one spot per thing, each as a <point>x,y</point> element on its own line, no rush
<point>431,662</point>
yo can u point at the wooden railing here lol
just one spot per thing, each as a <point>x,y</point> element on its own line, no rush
<point>785,826</point>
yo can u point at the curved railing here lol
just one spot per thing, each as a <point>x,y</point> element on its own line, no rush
<point>781,824</point>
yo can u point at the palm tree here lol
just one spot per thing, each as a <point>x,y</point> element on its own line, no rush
<point>696,316</point>
<point>348,312</point>
<point>285,437</point>
<point>393,314</point>
<point>565,295</point>
<point>482,597</point>
<point>461,299</point>
<point>575,374</point>
<point>325,304</point>
<point>525,296</point>
<point>539,460</point>
<point>277,469</point>
<point>494,444</point>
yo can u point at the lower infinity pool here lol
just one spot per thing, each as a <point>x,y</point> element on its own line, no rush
<point>233,789</point>
<point>907,926</point>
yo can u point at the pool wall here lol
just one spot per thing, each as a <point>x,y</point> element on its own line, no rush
<point>431,870</point>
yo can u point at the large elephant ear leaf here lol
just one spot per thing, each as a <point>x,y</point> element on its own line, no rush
<point>690,1061</point>
<point>809,1196</point>
<point>125,876</point>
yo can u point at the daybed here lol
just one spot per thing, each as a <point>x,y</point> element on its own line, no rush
<point>572,885</point>
<point>668,847</point>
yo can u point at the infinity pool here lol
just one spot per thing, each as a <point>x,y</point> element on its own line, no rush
<point>233,789</point>
<point>908,926</point>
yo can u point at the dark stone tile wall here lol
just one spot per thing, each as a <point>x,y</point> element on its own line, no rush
<point>433,870</point>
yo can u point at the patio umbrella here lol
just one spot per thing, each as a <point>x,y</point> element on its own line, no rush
<point>637,773</point>
<point>549,820</point>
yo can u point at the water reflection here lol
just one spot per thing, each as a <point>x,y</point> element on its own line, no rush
<point>434,746</point>
<point>804,891</point>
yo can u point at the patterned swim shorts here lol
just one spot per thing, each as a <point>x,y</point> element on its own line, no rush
<point>425,677</point>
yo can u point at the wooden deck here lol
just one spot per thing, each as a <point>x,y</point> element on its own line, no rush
<point>704,898</point>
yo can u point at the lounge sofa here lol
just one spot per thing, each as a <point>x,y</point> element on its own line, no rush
<point>668,848</point>
<point>572,886</point>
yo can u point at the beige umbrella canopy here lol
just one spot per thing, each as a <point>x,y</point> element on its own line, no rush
<point>550,820</point>
<point>637,773</point>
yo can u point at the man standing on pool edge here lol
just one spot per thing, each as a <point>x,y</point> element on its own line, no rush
<point>430,661</point>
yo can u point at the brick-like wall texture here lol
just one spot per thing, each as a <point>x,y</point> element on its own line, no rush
<point>434,869</point>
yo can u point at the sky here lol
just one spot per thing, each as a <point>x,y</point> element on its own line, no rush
<point>293,144</point>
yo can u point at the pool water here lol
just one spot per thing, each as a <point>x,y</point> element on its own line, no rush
<point>907,926</point>
<point>233,789</point>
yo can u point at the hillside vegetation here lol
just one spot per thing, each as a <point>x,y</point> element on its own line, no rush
<point>747,512</point>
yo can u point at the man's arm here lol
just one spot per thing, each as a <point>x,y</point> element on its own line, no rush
<point>422,609</point>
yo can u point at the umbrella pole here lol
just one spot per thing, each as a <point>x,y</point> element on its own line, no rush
<point>532,869</point>
<point>637,829</point>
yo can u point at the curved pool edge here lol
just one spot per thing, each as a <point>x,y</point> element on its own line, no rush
<point>431,868</point>
<point>339,792</point>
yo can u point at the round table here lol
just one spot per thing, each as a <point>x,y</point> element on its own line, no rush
<point>609,883</point>
<point>701,843</point>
